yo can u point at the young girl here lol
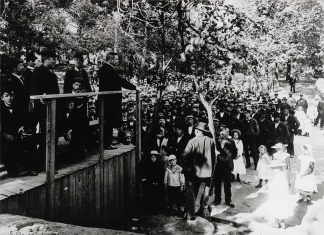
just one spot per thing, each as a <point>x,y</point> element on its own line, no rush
<point>239,167</point>
<point>263,168</point>
<point>174,182</point>
<point>305,180</point>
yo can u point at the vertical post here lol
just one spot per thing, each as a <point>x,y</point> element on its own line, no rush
<point>101,152</point>
<point>138,127</point>
<point>50,156</point>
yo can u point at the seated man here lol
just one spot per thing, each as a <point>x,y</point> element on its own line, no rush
<point>17,142</point>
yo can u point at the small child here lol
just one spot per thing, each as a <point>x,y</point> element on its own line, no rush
<point>305,180</point>
<point>174,182</point>
<point>239,167</point>
<point>263,168</point>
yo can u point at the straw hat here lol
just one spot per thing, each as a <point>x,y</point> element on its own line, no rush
<point>279,146</point>
<point>202,126</point>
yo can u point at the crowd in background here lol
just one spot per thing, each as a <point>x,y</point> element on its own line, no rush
<point>248,122</point>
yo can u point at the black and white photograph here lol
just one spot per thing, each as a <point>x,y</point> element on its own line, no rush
<point>158,117</point>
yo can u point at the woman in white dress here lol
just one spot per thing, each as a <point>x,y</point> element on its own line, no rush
<point>263,169</point>
<point>280,205</point>
<point>305,179</point>
<point>304,127</point>
<point>239,167</point>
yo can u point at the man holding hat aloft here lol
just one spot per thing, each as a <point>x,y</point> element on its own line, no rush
<point>199,159</point>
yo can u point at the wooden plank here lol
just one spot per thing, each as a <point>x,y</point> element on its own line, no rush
<point>105,199</point>
<point>13,205</point>
<point>111,195</point>
<point>84,212</point>
<point>72,198</point>
<point>70,95</point>
<point>138,126</point>
<point>23,204</point>
<point>78,197</point>
<point>99,215</point>
<point>91,206</point>
<point>116,191</point>
<point>121,189</point>
<point>57,202</point>
<point>33,203</point>
<point>4,205</point>
<point>50,156</point>
<point>65,199</point>
<point>42,202</point>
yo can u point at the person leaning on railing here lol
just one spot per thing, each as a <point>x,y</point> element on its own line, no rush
<point>109,80</point>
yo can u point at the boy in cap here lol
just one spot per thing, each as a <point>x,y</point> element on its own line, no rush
<point>174,182</point>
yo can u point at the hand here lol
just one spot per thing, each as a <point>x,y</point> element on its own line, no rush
<point>143,180</point>
<point>181,188</point>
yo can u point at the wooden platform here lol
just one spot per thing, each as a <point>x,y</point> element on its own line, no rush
<point>80,196</point>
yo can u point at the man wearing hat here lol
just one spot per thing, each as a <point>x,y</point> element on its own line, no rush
<point>44,81</point>
<point>190,129</point>
<point>251,130</point>
<point>276,100</point>
<point>280,130</point>
<point>179,142</point>
<point>199,159</point>
<point>109,80</point>
<point>302,102</point>
<point>76,71</point>
<point>291,100</point>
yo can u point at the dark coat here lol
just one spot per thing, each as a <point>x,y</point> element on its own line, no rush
<point>303,103</point>
<point>192,135</point>
<point>265,135</point>
<point>292,124</point>
<point>70,75</point>
<point>280,134</point>
<point>21,100</point>
<point>177,148</point>
<point>251,128</point>
<point>226,119</point>
<point>110,81</point>
<point>43,81</point>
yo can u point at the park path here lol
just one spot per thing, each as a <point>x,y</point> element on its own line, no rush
<point>249,200</point>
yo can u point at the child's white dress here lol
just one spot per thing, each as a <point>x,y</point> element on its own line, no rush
<point>239,167</point>
<point>306,183</point>
<point>263,169</point>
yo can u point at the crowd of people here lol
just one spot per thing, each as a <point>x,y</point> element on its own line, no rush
<point>181,158</point>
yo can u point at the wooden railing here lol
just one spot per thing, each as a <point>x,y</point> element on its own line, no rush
<point>50,102</point>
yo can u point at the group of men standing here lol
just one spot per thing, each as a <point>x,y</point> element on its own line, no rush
<point>20,82</point>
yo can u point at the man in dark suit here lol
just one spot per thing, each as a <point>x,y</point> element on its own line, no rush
<point>293,124</point>
<point>251,130</point>
<point>190,129</point>
<point>44,82</point>
<point>280,130</point>
<point>223,116</point>
<point>179,143</point>
<point>264,137</point>
<point>110,81</point>
<point>79,72</point>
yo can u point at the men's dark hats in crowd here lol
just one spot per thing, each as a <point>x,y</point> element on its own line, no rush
<point>30,56</point>
<point>202,126</point>
<point>48,53</point>
<point>180,125</point>
<point>7,86</point>
<point>78,55</point>
<point>77,79</point>
<point>276,114</point>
